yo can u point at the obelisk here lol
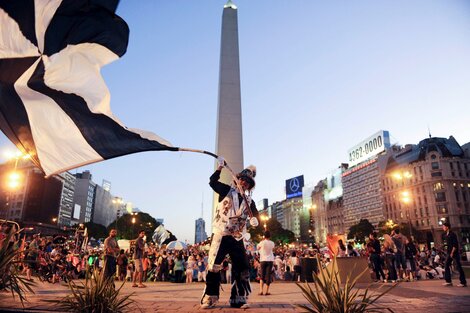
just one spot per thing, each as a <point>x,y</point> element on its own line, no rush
<point>229,138</point>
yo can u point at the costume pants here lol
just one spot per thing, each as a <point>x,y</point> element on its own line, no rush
<point>458,266</point>
<point>240,269</point>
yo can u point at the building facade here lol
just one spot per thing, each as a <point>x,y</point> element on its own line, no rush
<point>66,199</point>
<point>362,192</point>
<point>84,195</point>
<point>427,184</point>
<point>319,212</point>
<point>104,210</point>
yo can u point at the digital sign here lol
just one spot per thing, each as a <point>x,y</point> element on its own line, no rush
<point>369,147</point>
<point>294,187</point>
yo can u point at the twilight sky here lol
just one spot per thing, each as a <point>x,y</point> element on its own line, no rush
<point>317,77</point>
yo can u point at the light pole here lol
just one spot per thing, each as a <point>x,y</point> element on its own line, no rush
<point>265,218</point>
<point>406,199</point>
<point>405,195</point>
<point>133,214</point>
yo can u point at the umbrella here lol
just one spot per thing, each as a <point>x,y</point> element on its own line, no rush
<point>176,245</point>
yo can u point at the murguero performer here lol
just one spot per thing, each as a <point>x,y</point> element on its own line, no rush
<point>229,229</point>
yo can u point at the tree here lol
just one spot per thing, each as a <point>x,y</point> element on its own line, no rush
<point>96,230</point>
<point>361,230</point>
<point>128,230</point>
<point>278,234</point>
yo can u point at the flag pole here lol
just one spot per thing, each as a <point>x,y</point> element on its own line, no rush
<point>234,176</point>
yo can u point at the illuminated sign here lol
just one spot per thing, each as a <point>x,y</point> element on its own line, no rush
<point>368,148</point>
<point>294,187</point>
<point>360,167</point>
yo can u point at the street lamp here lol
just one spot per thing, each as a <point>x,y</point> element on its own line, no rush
<point>406,199</point>
<point>405,195</point>
<point>265,218</point>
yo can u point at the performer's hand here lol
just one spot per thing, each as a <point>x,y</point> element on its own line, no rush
<point>254,221</point>
<point>221,161</point>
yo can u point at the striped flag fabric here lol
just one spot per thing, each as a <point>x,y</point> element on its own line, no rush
<point>54,103</point>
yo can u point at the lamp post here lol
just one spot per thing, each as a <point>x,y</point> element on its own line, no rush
<point>405,195</point>
<point>134,219</point>
<point>406,199</point>
<point>265,219</point>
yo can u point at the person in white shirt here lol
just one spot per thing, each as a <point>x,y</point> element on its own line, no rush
<point>265,248</point>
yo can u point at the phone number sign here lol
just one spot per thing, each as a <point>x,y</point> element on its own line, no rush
<point>369,147</point>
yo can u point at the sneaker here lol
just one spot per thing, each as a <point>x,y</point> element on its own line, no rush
<point>462,285</point>
<point>245,306</point>
<point>447,284</point>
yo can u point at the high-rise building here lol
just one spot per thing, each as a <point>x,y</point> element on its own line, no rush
<point>104,211</point>
<point>319,212</point>
<point>229,138</point>
<point>36,199</point>
<point>66,202</point>
<point>84,195</point>
<point>362,191</point>
<point>200,231</point>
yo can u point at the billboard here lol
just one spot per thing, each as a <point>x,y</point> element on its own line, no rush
<point>369,147</point>
<point>294,187</point>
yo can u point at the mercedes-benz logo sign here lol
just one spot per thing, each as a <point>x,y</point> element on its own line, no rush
<point>294,184</point>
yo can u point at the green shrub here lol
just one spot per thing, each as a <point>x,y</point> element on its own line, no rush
<point>10,259</point>
<point>329,296</point>
<point>97,294</point>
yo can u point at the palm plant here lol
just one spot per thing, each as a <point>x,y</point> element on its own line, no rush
<point>97,294</point>
<point>10,259</point>
<point>329,296</point>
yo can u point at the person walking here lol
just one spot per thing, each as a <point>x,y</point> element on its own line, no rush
<point>453,255</point>
<point>138,260</point>
<point>111,250</point>
<point>265,248</point>
<point>228,232</point>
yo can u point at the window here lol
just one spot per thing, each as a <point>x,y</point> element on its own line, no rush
<point>438,186</point>
<point>440,196</point>
<point>435,165</point>
<point>436,174</point>
<point>433,156</point>
<point>451,166</point>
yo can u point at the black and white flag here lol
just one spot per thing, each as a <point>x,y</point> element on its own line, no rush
<point>54,103</point>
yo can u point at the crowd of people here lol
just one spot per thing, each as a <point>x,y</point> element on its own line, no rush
<point>396,258</point>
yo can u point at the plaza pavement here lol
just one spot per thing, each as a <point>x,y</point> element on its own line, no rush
<point>420,296</point>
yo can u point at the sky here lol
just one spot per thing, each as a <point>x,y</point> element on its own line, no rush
<point>317,77</point>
